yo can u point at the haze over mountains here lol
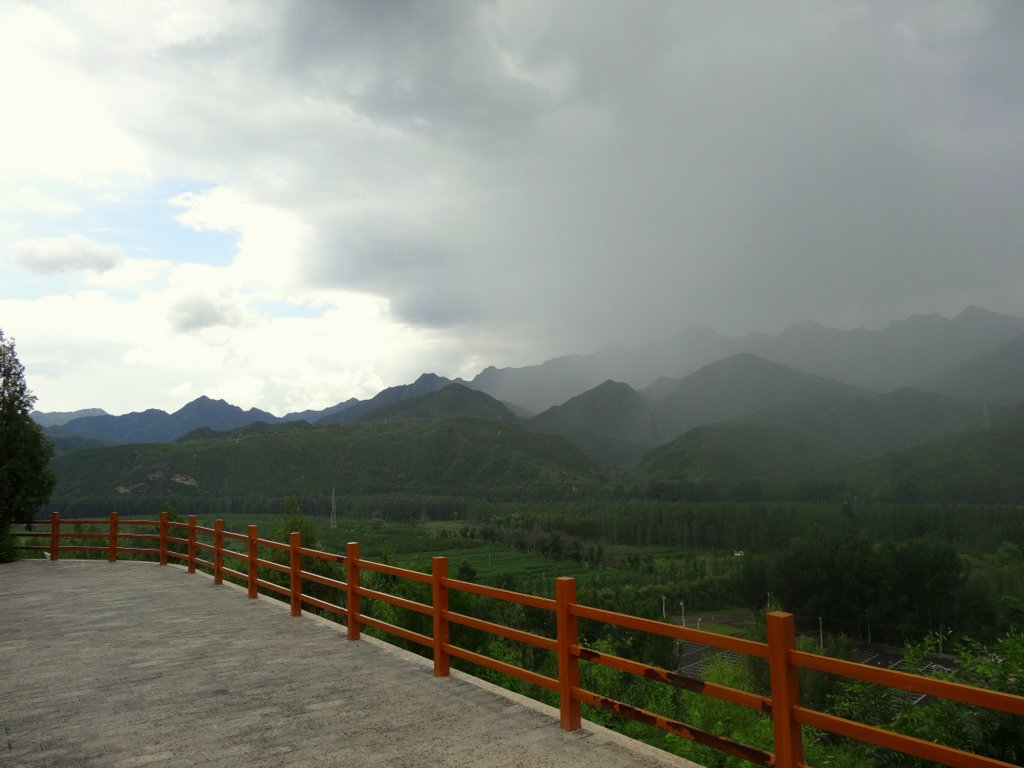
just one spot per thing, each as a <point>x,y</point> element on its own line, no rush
<point>775,411</point>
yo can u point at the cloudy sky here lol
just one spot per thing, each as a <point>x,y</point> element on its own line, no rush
<point>285,204</point>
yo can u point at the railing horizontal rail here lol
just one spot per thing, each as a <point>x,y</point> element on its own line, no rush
<point>178,555</point>
<point>394,570</point>
<point>235,574</point>
<point>208,547</point>
<point>399,602</point>
<point>202,529</point>
<point>139,536</point>
<point>735,748</point>
<point>138,550</point>
<point>82,521</point>
<point>272,565</point>
<point>722,692</point>
<point>531,601</point>
<point>273,587</point>
<point>153,523</point>
<point>273,544</point>
<point>500,666</point>
<point>726,643</point>
<point>910,745</point>
<point>329,556</point>
<point>232,553</point>
<point>538,641</point>
<point>177,540</point>
<point>892,678</point>
<point>392,629</point>
<point>204,563</point>
<point>235,536</point>
<point>325,580</point>
<point>83,535</point>
<point>323,605</point>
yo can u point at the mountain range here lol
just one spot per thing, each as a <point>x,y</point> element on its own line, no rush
<point>741,419</point>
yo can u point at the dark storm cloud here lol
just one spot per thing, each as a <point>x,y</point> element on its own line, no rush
<point>429,67</point>
<point>580,173</point>
<point>425,284</point>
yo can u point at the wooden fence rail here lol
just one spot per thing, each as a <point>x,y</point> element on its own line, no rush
<point>181,541</point>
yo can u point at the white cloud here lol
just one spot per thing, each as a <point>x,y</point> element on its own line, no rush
<point>57,122</point>
<point>54,255</point>
<point>271,239</point>
<point>30,200</point>
<point>132,274</point>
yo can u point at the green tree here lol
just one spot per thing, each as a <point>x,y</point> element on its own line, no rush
<point>25,479</point>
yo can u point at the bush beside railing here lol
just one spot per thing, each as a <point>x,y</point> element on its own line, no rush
<point>788,716</point>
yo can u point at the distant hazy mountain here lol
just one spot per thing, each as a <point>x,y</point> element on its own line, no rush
<point>611,423</point>
<point>156,426</point>
<point>539,387</point>
<point>57,418</point>
<point>451,400</point>
<point>696,377</point>
<point>917,351</point>
<point>997,377</point>
<point>425,384</point>
<point>736,386</point>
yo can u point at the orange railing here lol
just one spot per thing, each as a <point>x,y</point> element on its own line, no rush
<point>788,716</point>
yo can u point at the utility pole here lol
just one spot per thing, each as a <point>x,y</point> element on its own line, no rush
<point>821,635</point>
<point>682,607</point>
<point>334,511</point>
<point>663,615</point>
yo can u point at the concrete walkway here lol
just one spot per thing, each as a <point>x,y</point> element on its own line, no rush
<point>132,664</point>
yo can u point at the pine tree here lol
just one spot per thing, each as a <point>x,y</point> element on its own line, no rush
<point>25,478</point>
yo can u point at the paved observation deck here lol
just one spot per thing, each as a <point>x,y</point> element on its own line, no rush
<point>133,665</point>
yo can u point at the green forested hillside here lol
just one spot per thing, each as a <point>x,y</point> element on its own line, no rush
<point>794,445</point>
<point>980,465</point>
<point>737,458</point>
<point>611,423</point>
<point>446,456</point>
<point>866,427</point>
<point>736,387</point>
<point>452,400</point>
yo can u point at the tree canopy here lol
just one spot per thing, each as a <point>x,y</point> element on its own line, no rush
<point>25,478</point>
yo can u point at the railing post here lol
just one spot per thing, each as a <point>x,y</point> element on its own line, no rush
<point>568,663</point>
<point>55,536</point>
<point>296,572</point>
<point>191,543</point>
<point>218,551</point>
<point>165,528</point>
<point>253,555</point>
<point>112,540</point>
<point>789,745</point>
<point>352,588</point>
<point>442,661</point>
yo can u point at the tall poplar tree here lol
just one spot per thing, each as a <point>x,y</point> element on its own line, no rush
<point>25,478</point>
